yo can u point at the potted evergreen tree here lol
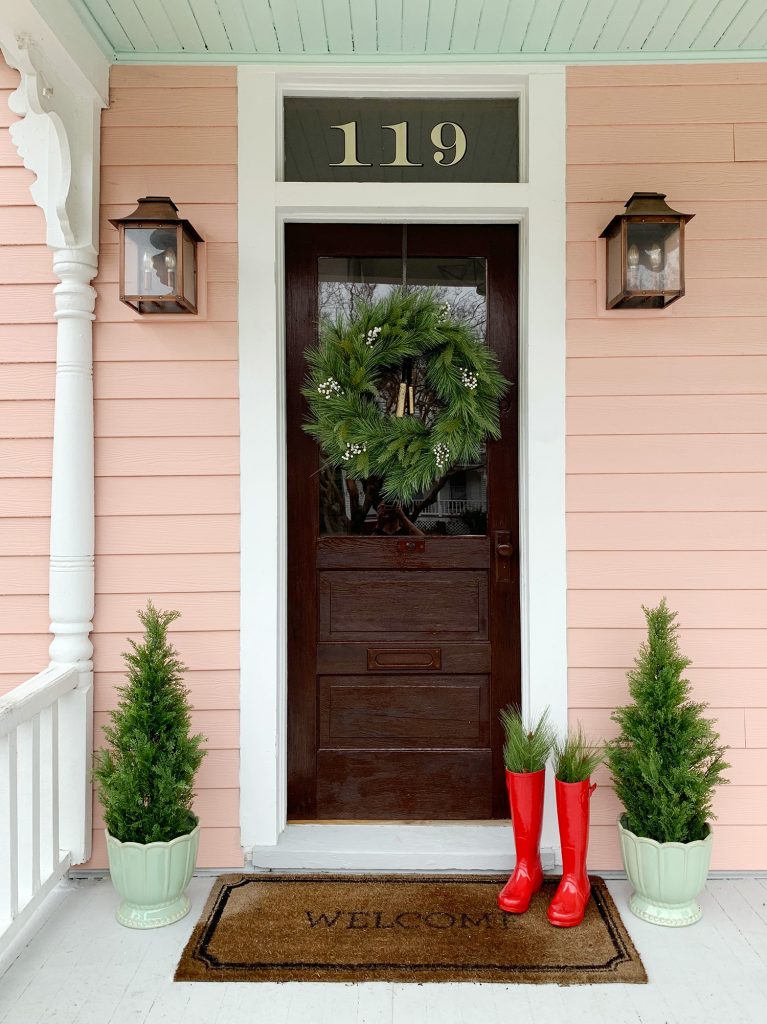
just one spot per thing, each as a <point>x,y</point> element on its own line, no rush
<point>666,764</point>
<point>145,779</point>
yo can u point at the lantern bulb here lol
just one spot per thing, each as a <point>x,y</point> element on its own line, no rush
<point>170,265</point>
<point>148,268</point>
<point>655,254</point>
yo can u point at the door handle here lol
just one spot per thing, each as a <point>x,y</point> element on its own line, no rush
<point>503,554</point>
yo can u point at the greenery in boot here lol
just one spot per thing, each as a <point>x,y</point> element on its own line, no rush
<point>527,746</point>
<point>146,774</point>
<point>667,760</point>
<point>575,759</point>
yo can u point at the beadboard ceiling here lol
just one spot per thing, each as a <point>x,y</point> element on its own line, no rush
<point>421,30</point>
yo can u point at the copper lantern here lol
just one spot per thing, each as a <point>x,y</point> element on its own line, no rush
<point>158,258</point>
<point>645,254</point>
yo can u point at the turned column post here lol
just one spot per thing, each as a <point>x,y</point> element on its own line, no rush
<point>71,581</point>
<point>63,86</point>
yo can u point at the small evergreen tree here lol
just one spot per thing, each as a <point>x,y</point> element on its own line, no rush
<point>146,774</point>
<point>667,760</point>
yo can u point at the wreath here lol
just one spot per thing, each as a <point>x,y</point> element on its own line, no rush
<point>369,423</point>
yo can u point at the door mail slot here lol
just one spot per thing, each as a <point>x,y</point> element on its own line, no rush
<point>384,659</point>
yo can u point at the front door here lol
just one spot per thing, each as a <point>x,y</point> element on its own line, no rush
<point>403,641</point>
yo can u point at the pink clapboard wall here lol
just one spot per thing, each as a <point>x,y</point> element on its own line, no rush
<point>27,363</point>
<point>167,423</point>
<point>667,416</point>
<point>667,473</point>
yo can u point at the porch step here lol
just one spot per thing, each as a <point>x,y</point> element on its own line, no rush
<point>393,847</point>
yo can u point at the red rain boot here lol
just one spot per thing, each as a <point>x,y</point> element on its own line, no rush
<point>568,906</point>
<point>526,801</point>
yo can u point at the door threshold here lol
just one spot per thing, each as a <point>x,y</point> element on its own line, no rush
<point>432,823</point>
<point>393,846</point>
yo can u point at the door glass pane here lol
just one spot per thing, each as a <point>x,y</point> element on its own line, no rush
<point>457,504</point>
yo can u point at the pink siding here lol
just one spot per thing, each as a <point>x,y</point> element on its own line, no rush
<point>167,423</point>
<point>27,354</point>
<point>667,416</point>
<point>667,473</point>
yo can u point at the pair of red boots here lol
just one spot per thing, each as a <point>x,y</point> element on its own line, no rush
<point>525,790</point>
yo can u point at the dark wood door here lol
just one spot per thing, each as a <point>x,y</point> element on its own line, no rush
<point>402,646</point>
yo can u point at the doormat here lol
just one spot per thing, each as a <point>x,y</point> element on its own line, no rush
<point>414,928</point>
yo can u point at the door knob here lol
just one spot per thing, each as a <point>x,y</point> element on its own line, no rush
<point>503,554</point>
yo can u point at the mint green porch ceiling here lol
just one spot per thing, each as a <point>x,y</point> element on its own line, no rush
<point>571,31</point>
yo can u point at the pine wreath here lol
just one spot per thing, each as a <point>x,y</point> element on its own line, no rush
<point>349,366</point>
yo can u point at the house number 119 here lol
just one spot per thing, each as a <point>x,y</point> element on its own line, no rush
<point>455,150</point>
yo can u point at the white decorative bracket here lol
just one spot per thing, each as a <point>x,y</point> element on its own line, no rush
<point>58,140</point>
<point>42,142</point>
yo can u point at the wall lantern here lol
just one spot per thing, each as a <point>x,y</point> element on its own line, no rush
<point>645,254</point>
<point>158,258</point>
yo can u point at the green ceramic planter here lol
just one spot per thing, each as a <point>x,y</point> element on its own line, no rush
<point>667,877</point>
<point>151,878</point>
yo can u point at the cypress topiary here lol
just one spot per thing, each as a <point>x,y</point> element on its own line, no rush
<point>146,774</point>
<point>667,760</point>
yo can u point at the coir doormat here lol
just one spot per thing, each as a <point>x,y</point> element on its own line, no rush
<point>399,928</point>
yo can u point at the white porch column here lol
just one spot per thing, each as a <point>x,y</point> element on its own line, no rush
<point>71,580</point>
<point>71,594</point>
<point>63,87</point>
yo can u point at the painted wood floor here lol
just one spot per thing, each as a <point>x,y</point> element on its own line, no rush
<point>82,968</point>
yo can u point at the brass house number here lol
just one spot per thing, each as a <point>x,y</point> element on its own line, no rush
<point>345,138</point>
<point>447,153</point>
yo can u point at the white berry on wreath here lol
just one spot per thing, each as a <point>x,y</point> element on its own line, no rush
<point>352,450</point>
<point>441,454</point>
<point>329,388</point>
<point>469,379</point>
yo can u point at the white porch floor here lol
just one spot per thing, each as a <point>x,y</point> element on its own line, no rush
<point>82,968</point>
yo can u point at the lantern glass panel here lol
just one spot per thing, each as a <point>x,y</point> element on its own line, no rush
<point>188,284</point>
<point>614,265</point>
<point>652,256</point>
<point>150,261</point>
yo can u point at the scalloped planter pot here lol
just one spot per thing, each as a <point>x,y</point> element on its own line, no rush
<point>667,877</point>
<point>151,878</point>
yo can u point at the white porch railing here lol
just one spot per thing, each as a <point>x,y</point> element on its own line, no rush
<point>42,791</point>
<point>448,507</point>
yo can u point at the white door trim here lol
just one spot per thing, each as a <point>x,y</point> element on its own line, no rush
<point>265,205</point>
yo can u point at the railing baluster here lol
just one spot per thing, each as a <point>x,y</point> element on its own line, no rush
<point>54,819</point>
<point>24,787</point>
<point>9,822</point>
<point>35,809</point>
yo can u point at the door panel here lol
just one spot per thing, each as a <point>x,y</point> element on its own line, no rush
<point>405,784</point>
<point>402,605</point>
<point>361,712</point>
<point>401,648</point>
